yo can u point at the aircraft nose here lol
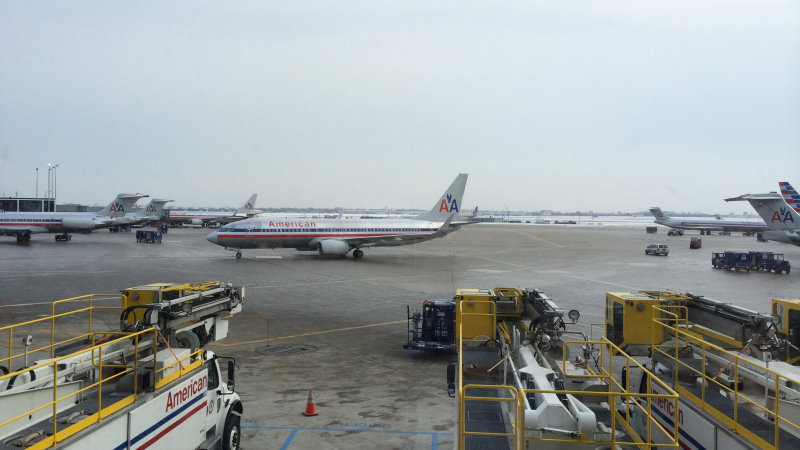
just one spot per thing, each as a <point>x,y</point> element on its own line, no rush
<point>212,237</point>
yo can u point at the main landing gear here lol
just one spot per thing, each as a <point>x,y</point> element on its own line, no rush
<point>22,238</point>
<point>238,255</point>
<point>358,254</point>
<point>63,237</point>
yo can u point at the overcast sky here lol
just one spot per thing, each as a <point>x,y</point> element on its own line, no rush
<point>566,105</point>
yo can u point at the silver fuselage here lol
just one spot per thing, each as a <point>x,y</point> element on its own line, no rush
<point>305,234</point>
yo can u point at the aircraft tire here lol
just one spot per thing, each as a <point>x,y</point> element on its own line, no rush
<point>358,254</point>
<point>238,255</point>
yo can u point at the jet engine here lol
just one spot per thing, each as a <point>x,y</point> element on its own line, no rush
<point>196,222</point>
<point>79,223</point>
<point>333,247</point>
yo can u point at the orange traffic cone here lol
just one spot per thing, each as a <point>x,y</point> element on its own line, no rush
<point>310,410</point>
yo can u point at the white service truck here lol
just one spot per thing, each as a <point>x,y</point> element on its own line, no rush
<point>149,385</point>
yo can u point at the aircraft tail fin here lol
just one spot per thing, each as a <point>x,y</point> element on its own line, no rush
<point>790,195</point>
<point>773,209</point>
<point>448,203</point>
<point>658,214</point>
<point>155,209</point>
<point>249,206</point>
<point>121,205</point>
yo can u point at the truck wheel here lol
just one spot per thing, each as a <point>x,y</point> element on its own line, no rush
<point>232,435</point>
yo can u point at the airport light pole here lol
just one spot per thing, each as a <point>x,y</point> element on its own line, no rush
<point>37,182</point>
<point>55,185</point>
<point>49,177</point>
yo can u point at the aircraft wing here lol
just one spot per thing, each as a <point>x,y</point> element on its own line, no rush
<point>389,240</point>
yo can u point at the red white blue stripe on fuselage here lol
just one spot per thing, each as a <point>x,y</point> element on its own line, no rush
<point>300,236</point>
<point>729,226</point>
<point>167,424</point>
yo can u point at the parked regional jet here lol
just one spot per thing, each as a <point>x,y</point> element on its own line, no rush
<point>339,236</point>
<point>783,220</point>
<point>790,195</point>
<point>204,218</point>
<point>707,226</point>
<point>23,224</point>
<point>154,211</point>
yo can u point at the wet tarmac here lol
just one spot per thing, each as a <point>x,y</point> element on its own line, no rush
<point>337,325</point>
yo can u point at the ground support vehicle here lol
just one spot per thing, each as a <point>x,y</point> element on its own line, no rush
<point>432,328</point>
<point>149,236</point>
<point>651,230</point>
<point>524,380</point>
<point>695,243</point>
<point>729,365</point>
<point>731,260</point>
<point>770,262</point>
<point>657,249</point>
<point>675,232</point>
<point>146,384</point>
<point>746,261</point>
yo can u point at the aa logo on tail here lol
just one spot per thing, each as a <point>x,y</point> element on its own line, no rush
<point>248,206</point>
<point>784,215</point>
<point>150,208</point>
<point>448,204</point>
<point>116,207</point>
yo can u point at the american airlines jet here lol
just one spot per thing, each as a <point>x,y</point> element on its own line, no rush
<point>790,195</point>
<point>154,211</point>
<point>23,224</point>
<point>203,218</point>
<point>783,220</point>
<point>340,236</point>
<point>707,226</point>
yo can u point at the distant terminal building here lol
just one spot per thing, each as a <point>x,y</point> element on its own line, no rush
<point>19,204</point>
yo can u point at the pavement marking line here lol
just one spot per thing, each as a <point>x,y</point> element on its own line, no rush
<point>434,434</point>
<point>313,333</point>
<point>301,284</point>
<point>499,262</point>
<point>539,239</point>
<point>601,282</point>
<point>289,439</point>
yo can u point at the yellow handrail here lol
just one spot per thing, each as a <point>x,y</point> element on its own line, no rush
<point>740,400</point>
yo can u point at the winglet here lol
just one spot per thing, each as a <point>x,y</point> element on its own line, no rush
<point>448,203</point>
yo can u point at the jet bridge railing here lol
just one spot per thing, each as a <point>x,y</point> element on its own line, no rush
<point>685,344</point>
<point>57,337</point>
